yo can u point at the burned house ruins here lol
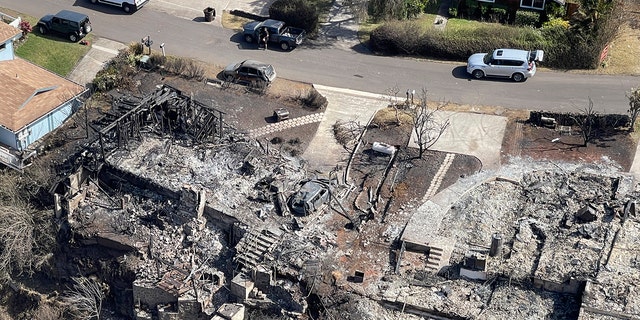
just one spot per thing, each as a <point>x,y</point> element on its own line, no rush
<point>170,189</point>
<point>196,220</point>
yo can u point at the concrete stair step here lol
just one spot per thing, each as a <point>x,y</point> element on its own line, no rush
<point>432,268</point>
<point>266,238</point>
<point>258,244</point>
<point>433,263</point>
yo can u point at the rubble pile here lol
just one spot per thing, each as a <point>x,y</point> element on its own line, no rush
<point>232,174</point>
<point>176,207</point>
<point>558,222</point>
<point>206,222</point>
<point>170,250</point>
<point>551,243</point>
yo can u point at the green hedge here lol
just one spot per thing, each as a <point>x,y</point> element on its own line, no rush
<point>297,13</point>
<point>565,48</point>
<point>527,18</point>
<point>402,38</point>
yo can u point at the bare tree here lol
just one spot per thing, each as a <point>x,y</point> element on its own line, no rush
<point>347,133</point>
<point>585,121</point>
<point>16,240</point>
<point>427,128</point>
<point>634,106</point>
<point>27,236</point>
<point>394,101</point>
<point>84,298</point>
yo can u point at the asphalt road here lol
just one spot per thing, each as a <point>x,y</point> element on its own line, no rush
<point>351,69</point>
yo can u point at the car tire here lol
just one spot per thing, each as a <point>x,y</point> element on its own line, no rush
<point>86,28</point>
<point>73,37</point>
<point>42,29</point>
<point>229,78</point>
<point>518,77</point>
<point>248,38</point>
<point>94,1</point>
<point>478,74</point>
<point>285,46</point>
<point>127,8</point>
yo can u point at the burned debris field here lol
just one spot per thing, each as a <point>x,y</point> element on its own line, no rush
<point>184,200</point>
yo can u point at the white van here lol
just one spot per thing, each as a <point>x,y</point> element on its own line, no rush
<point>129,6</point>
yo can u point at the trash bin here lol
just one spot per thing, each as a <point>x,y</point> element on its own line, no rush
<point>209,14</point>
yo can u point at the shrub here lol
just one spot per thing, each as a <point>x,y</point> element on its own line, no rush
<point>497,15</point>
<point>313,99</point>
<point>117,73</point>
<point>452,44</point>
<point>298,13</point>
<point>158,59</point>
<point>527,18</point>
<point>25,27</point>
<point>136,48</point>
<point>556,22</point>
<point>404,37</point>
<point>193,70</point>
<point>555,10</point>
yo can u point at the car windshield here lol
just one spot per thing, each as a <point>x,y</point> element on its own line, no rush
<point>268,70</point>
<point>487,58</point>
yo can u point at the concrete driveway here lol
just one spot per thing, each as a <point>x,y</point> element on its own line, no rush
<point>475,134</point>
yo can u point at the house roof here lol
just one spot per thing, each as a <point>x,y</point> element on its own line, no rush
<point>8,32</point>
<point>28,92</point>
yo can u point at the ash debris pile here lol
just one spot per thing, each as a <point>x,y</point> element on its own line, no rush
<point>550,243</point>
<point>194,214</point>
<point>184,217</point>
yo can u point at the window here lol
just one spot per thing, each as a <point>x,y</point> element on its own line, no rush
<point>514,63</point>
<point>533,4</point>
<point>3,46</point>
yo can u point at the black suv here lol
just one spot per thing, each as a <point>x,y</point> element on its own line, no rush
<point>70,24</point>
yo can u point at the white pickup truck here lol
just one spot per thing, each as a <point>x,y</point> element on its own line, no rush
<point>129,6</point>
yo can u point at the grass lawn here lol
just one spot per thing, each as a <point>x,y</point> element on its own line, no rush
<point>53,53</point>
<point>426,20</point>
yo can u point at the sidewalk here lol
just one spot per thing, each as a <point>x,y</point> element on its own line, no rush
<point>102,50</point>
<point>193,9</point>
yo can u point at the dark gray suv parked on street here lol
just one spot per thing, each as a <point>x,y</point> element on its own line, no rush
<point>69,24</point>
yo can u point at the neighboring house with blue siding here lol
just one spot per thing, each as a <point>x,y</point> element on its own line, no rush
<point>33,102</point>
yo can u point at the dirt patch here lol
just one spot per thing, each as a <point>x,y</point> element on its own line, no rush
<point>522,139</point>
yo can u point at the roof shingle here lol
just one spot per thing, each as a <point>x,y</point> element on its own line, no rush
<point>8,32</point>
<point>27,92</point>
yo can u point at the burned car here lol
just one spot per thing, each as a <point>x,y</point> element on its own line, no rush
<point>249,71</point>
<point>312,196</point>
